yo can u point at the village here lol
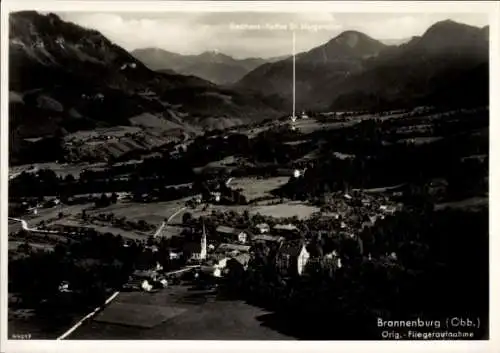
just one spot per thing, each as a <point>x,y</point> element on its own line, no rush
<point>212,249</point>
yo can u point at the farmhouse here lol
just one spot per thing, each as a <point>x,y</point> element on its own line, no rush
<point>262,228</point>
<point>216,267</point>
<point>174,255</point>
<point>215,196</point>
<point>198,198</point>
<point>64,287</point>
<point>232,234</point>
<point>292,258</point>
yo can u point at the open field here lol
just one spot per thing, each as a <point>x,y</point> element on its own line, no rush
<point>420,140</point>
<point>188,315</point>
<point>48,215</point>
<point>286,209</point>
<point>150,212</point>
<point>115,142</point>
<point>13,244</point>
<point>127,234</point>
<point>58,168</point>
<point>144,316</point>
<point>225,163</point>
<point>307,126</point>
<point>154,213</point>
<point>149,120</point>
<point>255,188</point>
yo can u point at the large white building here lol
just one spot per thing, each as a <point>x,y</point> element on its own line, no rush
<point>292,258</point>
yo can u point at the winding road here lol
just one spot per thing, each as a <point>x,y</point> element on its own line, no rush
<point>24,224</point>
<point>165,224</point>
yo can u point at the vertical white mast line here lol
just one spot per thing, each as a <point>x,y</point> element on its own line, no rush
<point>293,89</point>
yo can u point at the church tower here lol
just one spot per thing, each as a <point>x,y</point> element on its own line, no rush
<point>203,245</point>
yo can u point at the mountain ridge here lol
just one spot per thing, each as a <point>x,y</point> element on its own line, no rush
<point>357,72</point>
<point>68,77</point>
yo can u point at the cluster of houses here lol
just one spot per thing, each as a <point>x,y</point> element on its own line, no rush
<point>232,248</point>
<point>354,210</point>
<point>232,252</point>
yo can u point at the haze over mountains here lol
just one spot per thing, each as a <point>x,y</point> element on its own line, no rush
<point>210,65</point>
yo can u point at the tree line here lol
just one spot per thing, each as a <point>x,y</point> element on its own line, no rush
<point>439,269</point>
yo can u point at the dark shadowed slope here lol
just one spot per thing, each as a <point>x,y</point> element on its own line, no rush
<point>63,75</point>
<point>447,65</point>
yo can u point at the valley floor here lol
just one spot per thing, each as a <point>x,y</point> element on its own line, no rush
<point>177,313</point>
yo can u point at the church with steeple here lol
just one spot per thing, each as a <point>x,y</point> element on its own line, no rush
<point>197,250</point>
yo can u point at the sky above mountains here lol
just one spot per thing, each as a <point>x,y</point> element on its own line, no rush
<point>242,35</point>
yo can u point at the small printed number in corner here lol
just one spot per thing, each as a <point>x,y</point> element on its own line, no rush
<point>23,336</point>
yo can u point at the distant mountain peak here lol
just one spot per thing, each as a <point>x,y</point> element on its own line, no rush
<point>350,38</point>
<point>215,54</point>
<point>447,27</point>
<point>448,33</point>
<point>212,52</point>
<point>348,44</point>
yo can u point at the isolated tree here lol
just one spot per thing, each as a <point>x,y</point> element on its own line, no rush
<point>69,178</point>
<point>186,218</point>
<point>114,197</point>
<point>103,201</point>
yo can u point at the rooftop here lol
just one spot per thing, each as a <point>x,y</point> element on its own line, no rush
<point>289,227</point>
<point>227,230</point>
<point>242,259</point>
<point>264,237</point>
<point>230,247</point>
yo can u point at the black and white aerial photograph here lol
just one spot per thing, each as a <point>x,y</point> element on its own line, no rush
<point>256,176</point>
